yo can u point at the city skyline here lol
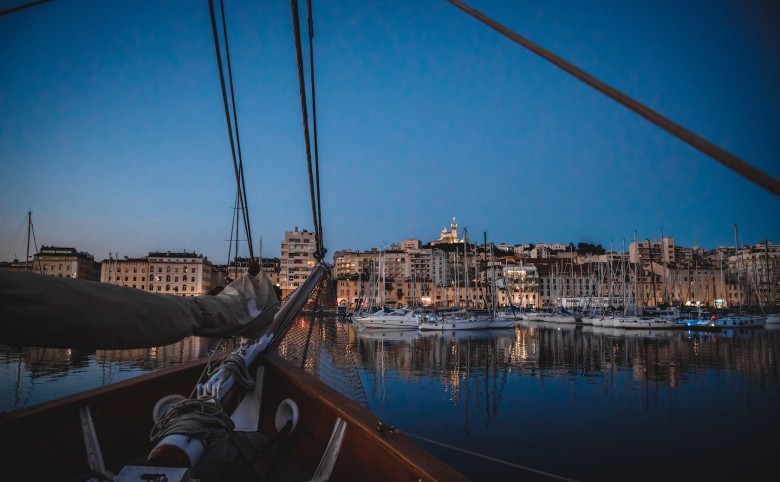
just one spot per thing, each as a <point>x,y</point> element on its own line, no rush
<point>112,129</point>
<point>395,244</point>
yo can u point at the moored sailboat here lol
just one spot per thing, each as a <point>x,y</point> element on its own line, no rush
<point>399,318</point>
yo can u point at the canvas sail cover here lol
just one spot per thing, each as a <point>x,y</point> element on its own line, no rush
<point>47,311</point>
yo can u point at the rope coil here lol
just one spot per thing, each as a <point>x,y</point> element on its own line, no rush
<point>203,419</point>
<point>235,365</point>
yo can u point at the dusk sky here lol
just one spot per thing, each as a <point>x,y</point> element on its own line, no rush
<point>113,133</point>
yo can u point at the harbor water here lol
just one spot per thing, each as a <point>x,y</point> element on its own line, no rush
<point>538,402</point>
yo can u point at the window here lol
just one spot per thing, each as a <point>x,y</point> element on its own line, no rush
<point>167,277</point>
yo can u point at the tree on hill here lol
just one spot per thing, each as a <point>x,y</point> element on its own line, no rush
<point>587,248</point>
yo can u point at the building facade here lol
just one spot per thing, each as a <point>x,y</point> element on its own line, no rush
<point>179,274</point>
<point>297,261</point>
<point>128,272</point>
<point>65,262</point>
<point>240,266</point>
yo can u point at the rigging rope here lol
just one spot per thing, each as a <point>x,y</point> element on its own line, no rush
<point>487,457</point>
<point>315,197</point>
<point>242,189</point>
<point>238,165</point>
<point>727,159</point>
<point>206,368</point>
<point>21,7</point>
<point>314,119</point>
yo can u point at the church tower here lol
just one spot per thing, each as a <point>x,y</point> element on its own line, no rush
<point>448,237</point>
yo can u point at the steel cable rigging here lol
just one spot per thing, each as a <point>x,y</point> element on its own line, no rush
<point>235,145</point>
<point>314,175</point>
<point>21,7</point>
<point>727,159</point>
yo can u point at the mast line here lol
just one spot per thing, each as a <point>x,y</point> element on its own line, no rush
<point>729,160</point>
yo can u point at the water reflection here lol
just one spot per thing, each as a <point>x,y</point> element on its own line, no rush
<point>518,395</point>
<point>522,395</point>
<point>32,375</point>
<point>476,363</point>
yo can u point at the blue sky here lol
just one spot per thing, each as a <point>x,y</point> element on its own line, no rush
<point>112,128</point>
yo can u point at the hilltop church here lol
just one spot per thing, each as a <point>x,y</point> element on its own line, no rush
<point>448,237</point>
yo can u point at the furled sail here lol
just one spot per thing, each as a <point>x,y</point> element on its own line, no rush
<point>46,311</point>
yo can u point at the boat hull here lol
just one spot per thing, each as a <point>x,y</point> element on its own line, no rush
<point>45,442</point>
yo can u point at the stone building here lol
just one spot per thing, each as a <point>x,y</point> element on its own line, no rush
<point>129,272</point>
<point>239,266</point>
<point>66,262</point>
<point>181,274</point>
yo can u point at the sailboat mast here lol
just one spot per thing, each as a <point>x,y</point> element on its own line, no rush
<point>609,275</point>
<point>636,277</point>
<point>457,276</point>
<point>722,285</point>
<point>493,290</point>
<point>767,273</point>
<point>382,262</point>
<point>652,274</point>
<point>467,285</point>
<point>623,287</point>
<point>486,289</point>
<point>665,297</point>
<point>29,228</point>
<point>739,268</point>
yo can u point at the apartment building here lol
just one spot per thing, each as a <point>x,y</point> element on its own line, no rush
<point>180,274</point>
<point>297,261</point>
<point>753,273</point>
<point>65,262</point>
<point>240,266</point>
<point>128,272</point>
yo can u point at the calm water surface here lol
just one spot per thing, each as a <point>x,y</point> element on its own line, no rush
<point>540,402</point>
